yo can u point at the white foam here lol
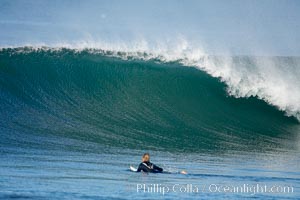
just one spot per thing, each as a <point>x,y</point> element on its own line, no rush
<point>267,78</point>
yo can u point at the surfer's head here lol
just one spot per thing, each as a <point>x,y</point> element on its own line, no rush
<point>146,157</point>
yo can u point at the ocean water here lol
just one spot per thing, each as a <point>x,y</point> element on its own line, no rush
<point>72,121</point>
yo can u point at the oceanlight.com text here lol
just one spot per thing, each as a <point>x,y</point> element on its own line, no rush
<point>250,189</point>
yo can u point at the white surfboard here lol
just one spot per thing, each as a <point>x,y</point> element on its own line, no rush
<point>132,169</point>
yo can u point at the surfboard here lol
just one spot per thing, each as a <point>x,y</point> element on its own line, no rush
<point>132,169</point>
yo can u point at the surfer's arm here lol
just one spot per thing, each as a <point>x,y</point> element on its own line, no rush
<point>156,168</point>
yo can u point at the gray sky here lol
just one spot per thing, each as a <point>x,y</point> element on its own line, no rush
<point>260,27</point>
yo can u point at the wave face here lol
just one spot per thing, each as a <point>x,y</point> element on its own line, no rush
<point>137,99</point>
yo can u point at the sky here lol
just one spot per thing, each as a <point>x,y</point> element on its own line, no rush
<point>259,27</point>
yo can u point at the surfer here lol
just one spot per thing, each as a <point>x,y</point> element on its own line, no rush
<point>147,166</point>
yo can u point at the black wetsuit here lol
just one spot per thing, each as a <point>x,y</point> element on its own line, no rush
<point>149,167</point>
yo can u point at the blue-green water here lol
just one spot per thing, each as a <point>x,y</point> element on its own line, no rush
<point>73,121</point>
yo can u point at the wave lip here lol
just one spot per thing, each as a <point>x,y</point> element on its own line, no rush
<point>272,79</point>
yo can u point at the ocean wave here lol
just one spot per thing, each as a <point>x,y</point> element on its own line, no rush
<point>274,79</point>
